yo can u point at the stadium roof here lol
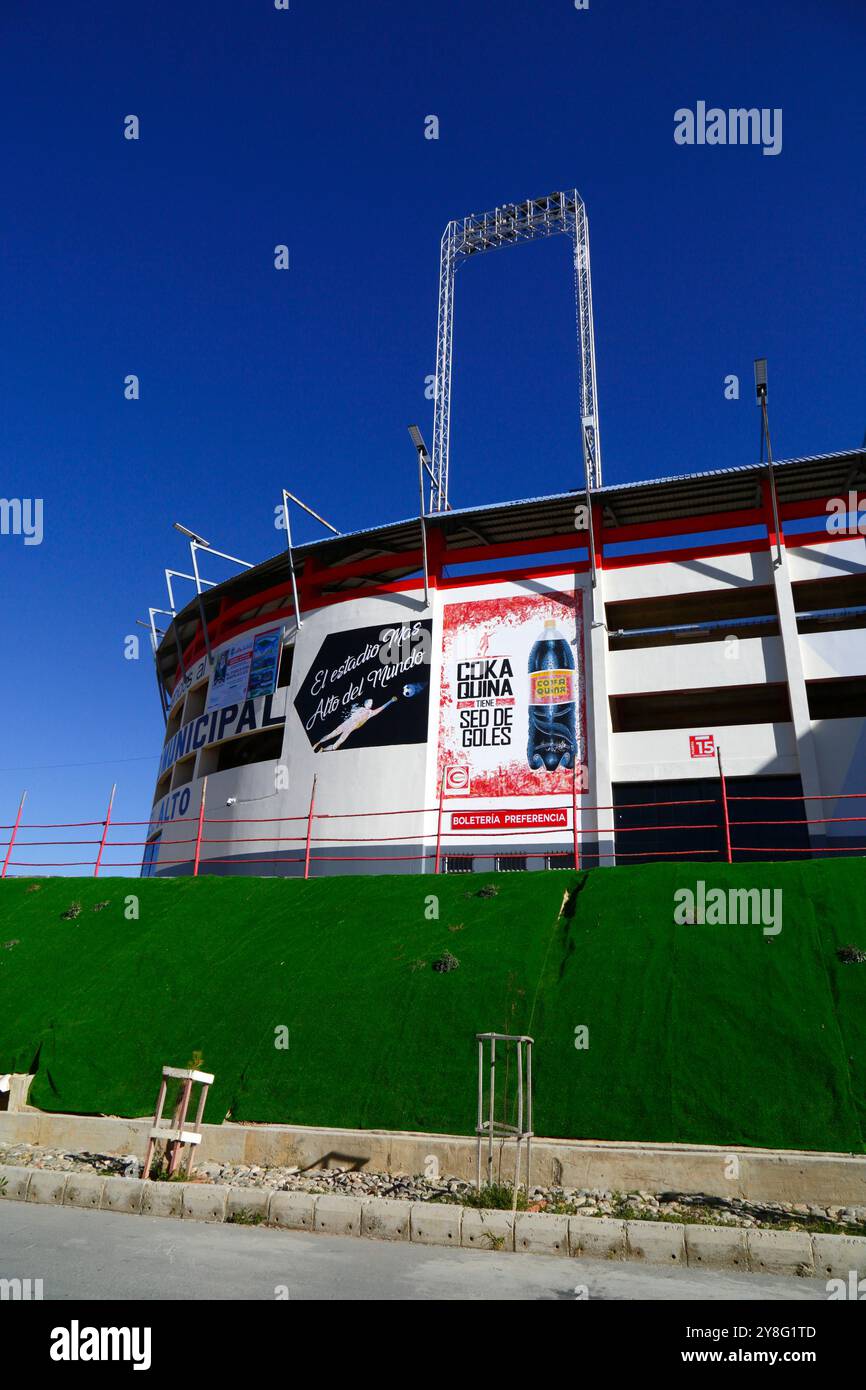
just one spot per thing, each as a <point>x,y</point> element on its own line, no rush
<point>535,518</point>
<point>625,504</point>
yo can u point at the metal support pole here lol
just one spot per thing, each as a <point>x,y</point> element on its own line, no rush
<point>587,485</point>
<point>178,646</point>
<point>193,546</point>
<point>181,574</point>
<point>439,826</point>
<point>199,830</point>
<point>162,700</point>
<point>105,824</point>
<point>519,1123</point>
<point>490,1124</point>
<point>309,830</point>
<point>528,1115</point>
<point>292,575</point>
<point>292,498</point>
<point>13,835</point>
<point>423,529</point>
<point>574,816</point>
<point>154,637</point>
<point>480,1121</point>
<point>765,426</point>
<point>725,808</point>
<point>500,1130</point>
<point>171,603</point>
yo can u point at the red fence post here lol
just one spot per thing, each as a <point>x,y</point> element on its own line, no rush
<point>105,824</point>
<point>200,829</point>
<point>12,836</point>
<point>574,816</point>
<point>725,808</point>
<point>439,827</point>
<point>309,830</point>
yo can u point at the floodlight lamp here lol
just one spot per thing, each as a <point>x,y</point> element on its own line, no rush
<point>193,536</point>
<point>760,379</point>
<point>417,438</point>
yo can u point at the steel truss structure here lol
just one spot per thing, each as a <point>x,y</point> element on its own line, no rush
<point>558,214</point>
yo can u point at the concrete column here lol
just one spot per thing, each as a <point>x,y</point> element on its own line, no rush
<point>598,712</point>
<point>806,750</point>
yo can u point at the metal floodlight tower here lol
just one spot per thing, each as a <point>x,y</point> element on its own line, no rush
<point>558,214</point>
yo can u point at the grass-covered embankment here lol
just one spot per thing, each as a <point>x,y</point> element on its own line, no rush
<point>697,1033</point>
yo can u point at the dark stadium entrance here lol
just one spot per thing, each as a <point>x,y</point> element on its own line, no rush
<point>642,836</point>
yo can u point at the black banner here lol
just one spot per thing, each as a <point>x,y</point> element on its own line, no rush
<point>368,688</point>
<point>156,1336</point>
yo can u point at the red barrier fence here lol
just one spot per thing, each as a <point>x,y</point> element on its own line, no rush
<point>430,837</point>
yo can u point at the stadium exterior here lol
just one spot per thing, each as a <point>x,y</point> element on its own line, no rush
<point>700,634</point>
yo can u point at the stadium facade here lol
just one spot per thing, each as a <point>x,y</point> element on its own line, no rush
<point>703,624</point>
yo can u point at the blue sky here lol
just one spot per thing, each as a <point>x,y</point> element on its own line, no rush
<point>306,127</point>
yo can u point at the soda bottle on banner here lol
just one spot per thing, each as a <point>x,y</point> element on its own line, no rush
<point>552,737</point>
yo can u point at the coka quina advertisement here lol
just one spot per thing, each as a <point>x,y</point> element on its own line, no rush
<point>512,715</point>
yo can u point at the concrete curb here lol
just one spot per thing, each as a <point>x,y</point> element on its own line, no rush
<point>763,1175</point>
<point>597,1237</point>
<point>294,1210</point>
<point>717,1247</point>
<point>434,1223</point>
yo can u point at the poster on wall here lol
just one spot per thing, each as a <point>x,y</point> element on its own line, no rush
<point>265,664</point>
<point>245,669</point>
<point>512,704</point>
<point>368,688</point>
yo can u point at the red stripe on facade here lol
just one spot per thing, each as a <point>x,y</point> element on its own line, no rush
<point>229,623</point>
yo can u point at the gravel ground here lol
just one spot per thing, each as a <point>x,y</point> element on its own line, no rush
<point>671,1206</point>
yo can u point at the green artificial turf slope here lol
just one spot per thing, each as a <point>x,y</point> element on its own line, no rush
<point>696,1033</point>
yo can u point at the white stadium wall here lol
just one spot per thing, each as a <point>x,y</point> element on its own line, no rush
<point>654,695</point>
<point>369,780</point>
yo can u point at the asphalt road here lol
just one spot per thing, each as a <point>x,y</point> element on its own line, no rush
<point>99,1255</point>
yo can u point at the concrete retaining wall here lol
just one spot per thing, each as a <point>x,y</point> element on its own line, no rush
<point>762,1175</point>
<point>427,1223</point>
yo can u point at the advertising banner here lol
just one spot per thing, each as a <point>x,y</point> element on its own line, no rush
<point>265,664</point>
<point>245,669</point>
<point>368,688</point>
<point>512,708</point>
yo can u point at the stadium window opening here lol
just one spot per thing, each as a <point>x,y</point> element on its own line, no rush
<point>458,863</point>
<point>511,863</point>
<point>263,747</point>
